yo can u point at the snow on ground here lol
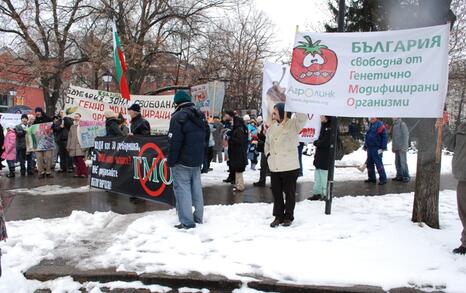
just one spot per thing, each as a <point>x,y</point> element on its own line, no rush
<point>345,169</point>
<point>366,240</point>
<point>53,190</point>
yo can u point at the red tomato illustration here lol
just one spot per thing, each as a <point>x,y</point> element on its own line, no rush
<point>313,63</point>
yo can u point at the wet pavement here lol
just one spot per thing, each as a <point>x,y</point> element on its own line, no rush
<point>23,206</point>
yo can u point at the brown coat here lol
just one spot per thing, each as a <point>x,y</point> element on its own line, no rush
<point>73,146</point>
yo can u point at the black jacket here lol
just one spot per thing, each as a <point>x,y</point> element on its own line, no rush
<point>112,128</point>
<point>20,137</point>
<point>187,136</point>
<point>238,146</point>
<point>322,155</point>
<point>140,126</point>
<point>42,119</point>
<point>261,139</point>
<point>61,134</point>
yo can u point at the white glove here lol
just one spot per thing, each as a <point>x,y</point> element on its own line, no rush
<point>380,151</point>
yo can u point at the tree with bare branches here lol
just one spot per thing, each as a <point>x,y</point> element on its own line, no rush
<point>47,32</point>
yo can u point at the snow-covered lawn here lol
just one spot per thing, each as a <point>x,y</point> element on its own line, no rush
<point>346,168</point>
<point>366,240</point>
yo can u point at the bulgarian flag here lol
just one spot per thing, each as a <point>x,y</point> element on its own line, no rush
<point>120,67</point>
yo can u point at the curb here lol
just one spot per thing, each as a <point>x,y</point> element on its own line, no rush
<point>51,270</point>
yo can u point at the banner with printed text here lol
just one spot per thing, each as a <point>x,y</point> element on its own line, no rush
<point>133,166</point>
<point>92,104</point>
<point>9,120</point>
<point>275,82</point>
<point>401,73</point>
<point>88,131</point>
<point>208,98</point>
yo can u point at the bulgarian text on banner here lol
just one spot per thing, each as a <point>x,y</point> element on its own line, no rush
<point>134,166</point>
<point>402,73</point>
<point>92,104</point>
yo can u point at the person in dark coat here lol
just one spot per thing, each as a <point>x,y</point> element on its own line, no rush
<point>139,125</point>
<point>228,126</point>
<point>261,136</point>
<point>187,141</point>
<point>237,151</point>
<point>44,158</point>
<point>21,153</point>
<point>122,123</point>
<point>111,124</point>
<point>322,159</point>
<point>61,127</point>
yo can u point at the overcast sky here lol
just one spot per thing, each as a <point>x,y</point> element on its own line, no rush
<point>286,14</point>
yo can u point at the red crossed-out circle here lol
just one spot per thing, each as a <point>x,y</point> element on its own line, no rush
<point>143,180</point>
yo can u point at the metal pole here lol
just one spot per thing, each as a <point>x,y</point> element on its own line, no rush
<point>334,126</point>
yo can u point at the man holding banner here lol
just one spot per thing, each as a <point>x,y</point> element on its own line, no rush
<point>139,125</point>
<point>44,155</point>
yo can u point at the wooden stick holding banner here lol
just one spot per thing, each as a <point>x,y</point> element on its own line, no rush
<point>438,150</point>
<point>286,113</point>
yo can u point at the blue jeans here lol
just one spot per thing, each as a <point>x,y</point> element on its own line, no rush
<point>188,192</point>
<point>401,164</point>
<point>373,158</point>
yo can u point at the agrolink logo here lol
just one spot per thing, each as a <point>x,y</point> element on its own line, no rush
<point>313,63</point>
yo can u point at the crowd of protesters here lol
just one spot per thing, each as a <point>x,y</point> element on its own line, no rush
<point>195,141</point>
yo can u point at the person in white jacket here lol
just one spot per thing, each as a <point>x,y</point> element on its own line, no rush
<point>282,156</point>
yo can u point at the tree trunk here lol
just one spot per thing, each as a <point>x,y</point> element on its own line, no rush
<point>426,195</point>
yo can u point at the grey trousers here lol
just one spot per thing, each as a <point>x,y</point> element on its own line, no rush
<point>461,196</point>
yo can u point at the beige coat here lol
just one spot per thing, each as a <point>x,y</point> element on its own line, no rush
<point>281,144</point>
<point>73,146</point>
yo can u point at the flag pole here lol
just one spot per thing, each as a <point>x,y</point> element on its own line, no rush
<point>285,119</point>
<point>334,128</point>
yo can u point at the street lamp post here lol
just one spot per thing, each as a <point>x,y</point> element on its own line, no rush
<point>107,77</point>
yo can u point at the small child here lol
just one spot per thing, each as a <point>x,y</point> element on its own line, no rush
<point>9,151</point>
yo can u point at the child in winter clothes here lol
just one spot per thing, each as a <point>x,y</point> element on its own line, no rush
<point>9,151</point>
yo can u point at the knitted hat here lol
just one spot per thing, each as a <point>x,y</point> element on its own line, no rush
<point>135,107</point>
<point>182,97</point>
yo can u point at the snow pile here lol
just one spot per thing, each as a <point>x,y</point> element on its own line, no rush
<point>366,240</point>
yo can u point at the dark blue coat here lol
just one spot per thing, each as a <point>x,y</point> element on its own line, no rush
<point>187,136</point>
<point>376,136</point>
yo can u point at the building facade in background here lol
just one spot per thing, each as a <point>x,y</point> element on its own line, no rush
<point>18,86</point>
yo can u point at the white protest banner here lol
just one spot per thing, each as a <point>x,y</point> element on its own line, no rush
<point>88,131</point>
<point>402,73</point>
<point>91,104</point>
<point>8,120</point>
<point>201,99</point>
<point>208,97</point>
<point>275,81</point>
<point>311,130</point>
<point>273,91</point>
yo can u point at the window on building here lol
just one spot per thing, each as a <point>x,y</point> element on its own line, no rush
<point>6,102</point>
